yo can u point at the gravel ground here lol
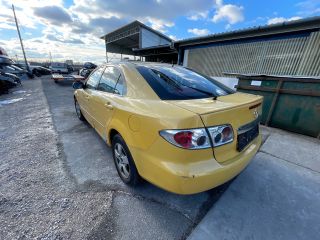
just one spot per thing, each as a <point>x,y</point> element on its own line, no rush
<point>37,200</point>
<point>47,191</point>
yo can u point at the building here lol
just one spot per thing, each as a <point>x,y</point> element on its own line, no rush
<point>137,39</point>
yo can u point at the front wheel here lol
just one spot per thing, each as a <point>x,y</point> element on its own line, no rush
<point>78,110</point>
<point>124,161</point>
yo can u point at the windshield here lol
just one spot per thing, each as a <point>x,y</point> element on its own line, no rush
<point>178,83</point>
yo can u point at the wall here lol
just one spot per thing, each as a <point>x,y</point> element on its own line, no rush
<point>289,55</point>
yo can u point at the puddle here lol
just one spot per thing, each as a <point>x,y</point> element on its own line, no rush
<point>9,101</point>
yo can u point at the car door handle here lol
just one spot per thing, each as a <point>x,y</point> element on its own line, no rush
<point>109,106</point>
<point>87,97</point>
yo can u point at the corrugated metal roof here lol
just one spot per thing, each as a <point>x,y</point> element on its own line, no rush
<point>294,56</point>
<point>132,25</point>
<point>257,31</point>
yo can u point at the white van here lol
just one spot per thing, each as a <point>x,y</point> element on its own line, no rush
<point>59,68</point>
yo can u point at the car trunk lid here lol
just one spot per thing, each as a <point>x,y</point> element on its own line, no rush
<point>238,109</point>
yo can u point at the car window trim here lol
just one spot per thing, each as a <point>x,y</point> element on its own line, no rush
<point>121,76</point>
<point>95,88</point>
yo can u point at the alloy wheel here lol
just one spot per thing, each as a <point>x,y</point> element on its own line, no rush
<point>122,161</point>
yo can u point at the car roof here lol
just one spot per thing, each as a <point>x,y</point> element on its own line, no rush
<point>139,63</point>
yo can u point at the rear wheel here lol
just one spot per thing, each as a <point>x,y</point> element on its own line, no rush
<point>78,110</point>
<point>124,161</point>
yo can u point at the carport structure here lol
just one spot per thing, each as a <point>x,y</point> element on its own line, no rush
<point>137,39</point>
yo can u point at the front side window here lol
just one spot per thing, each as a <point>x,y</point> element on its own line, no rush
<point>178,83</point>
<point>94,78</point>
<point>111,81</point>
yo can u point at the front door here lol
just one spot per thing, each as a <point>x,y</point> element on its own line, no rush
<point>86,95</point>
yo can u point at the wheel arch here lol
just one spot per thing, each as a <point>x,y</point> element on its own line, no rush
<point>111,135</point>
<point>117,127</point>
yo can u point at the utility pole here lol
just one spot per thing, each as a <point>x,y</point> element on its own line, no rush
<point>50,57</point>
<point>18,30</point>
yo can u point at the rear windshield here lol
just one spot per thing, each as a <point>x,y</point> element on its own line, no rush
<point>178,83</point>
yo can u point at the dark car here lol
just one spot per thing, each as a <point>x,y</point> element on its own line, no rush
<point>24,68</point>
<point>39,70</point>
<point>88,67</point>
<point>7,81</point>
<point>70,68</point>
<point>4,60</point>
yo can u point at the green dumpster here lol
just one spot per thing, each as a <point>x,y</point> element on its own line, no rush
<point>290,103</point>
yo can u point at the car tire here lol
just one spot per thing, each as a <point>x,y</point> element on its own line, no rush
<point>78,110</point>
<point>124,162</point>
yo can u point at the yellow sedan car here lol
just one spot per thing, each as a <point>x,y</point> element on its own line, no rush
<point>169,125</point>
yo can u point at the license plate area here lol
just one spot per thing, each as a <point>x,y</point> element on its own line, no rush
<point>246,136</point>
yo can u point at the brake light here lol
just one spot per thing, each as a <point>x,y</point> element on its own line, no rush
<point>187,138</point>
<point>221,135</point>
<point>198,138</point>
<point>183,138</point>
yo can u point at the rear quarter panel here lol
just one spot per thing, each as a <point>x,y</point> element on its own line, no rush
<point>139,121</point>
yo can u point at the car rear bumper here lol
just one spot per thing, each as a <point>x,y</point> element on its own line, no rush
<point>195,177</point>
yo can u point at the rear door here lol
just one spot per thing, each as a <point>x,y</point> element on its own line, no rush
<point>110,88</point>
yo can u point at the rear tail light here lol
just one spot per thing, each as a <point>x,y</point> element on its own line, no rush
<point>198,138</point>
<point>187,138</point>
<point>221,135</point>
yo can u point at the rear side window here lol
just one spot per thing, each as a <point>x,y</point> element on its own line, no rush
<point>112,81</point>
<point>94,78</point>
<point>178,83</point>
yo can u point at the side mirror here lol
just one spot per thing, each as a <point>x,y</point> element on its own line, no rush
<point>78,85</point>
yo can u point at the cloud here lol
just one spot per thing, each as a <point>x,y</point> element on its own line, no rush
<point>308,7</point>
<point>282,19</point>
<point>5,25</point>
<point>199,32</point>
<point>159,24</point>
<point>164,9</point>
<point>198,15</point>
<point>102,25</point>
<point>157,14</point>
<point>173,37</point>
<point>229,12</point>
<point>6,17</point>
<point>58,38</point>
<point>53,14</point>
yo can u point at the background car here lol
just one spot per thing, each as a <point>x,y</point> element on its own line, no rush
<point>88,67</point>
<point>39,71</point>
<point>59,68</point>
<point>5,60</point>
<point>7,81</point>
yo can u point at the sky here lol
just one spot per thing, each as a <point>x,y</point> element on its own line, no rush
<point>72,29</point>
